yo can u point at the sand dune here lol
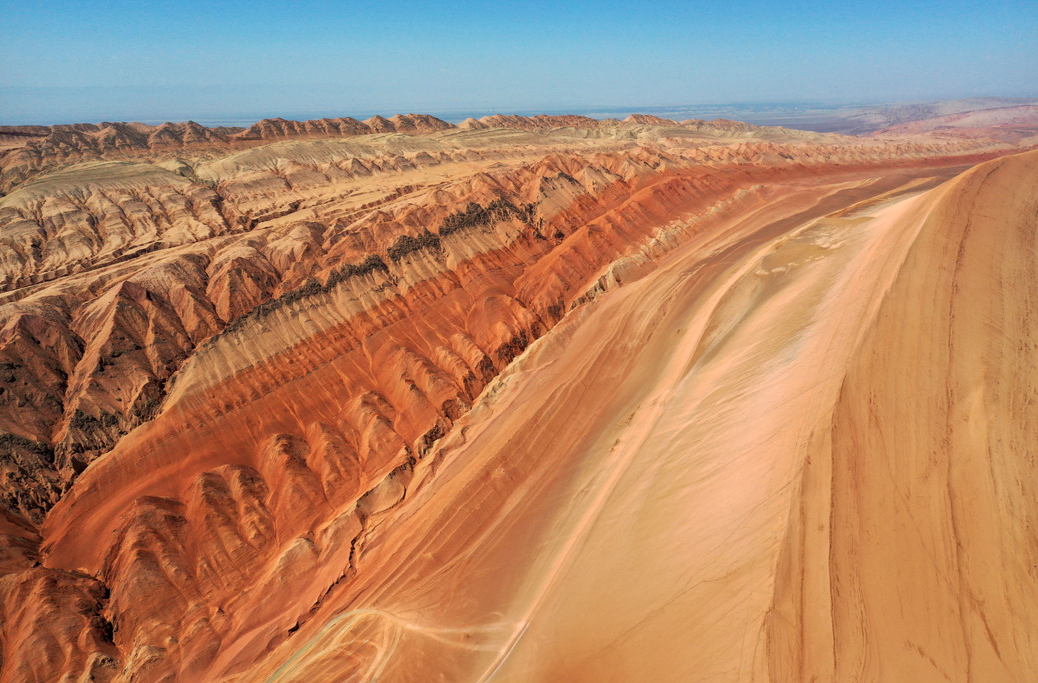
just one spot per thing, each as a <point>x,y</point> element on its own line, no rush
<point>1008,123</point>
<point>778,458</point>
<point>520,401</point>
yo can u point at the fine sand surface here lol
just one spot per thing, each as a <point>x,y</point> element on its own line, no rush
<point>794,454</point>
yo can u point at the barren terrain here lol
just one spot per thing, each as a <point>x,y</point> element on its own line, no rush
<point>521,399</point>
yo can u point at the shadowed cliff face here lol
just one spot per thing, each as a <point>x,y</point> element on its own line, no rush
<point>263,415</point>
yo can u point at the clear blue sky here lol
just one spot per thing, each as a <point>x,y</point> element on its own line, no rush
<point>66,61</point>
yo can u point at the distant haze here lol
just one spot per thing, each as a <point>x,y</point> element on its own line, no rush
<point>222,64</point>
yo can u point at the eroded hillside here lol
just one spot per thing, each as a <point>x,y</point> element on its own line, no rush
<point>537,398</point>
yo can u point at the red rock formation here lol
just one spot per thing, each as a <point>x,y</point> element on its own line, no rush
<point>232,376</point>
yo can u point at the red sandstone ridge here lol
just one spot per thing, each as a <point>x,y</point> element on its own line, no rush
<point>394,399</point>
<point>29,152</point>
<point>343,127</point>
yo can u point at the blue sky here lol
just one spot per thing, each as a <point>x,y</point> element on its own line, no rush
<point>67,61</point>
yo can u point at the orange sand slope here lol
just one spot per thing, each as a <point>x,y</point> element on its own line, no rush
<point>796,455</point>
<point>520,400</point>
